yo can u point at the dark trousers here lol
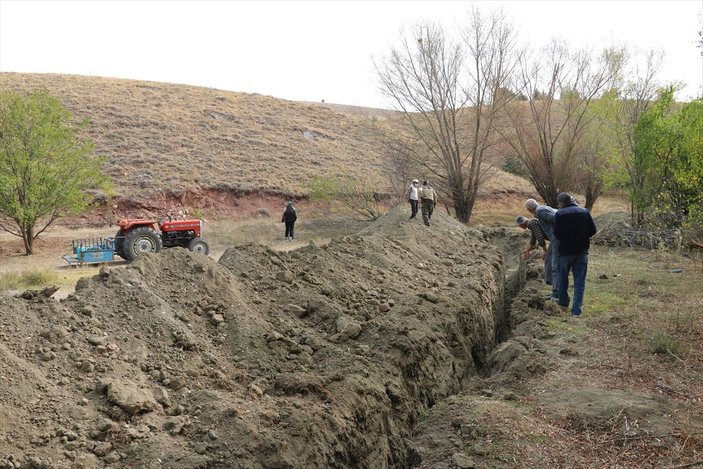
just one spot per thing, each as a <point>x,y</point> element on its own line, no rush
<point>427,209</point>
<point>551,267</point>
<point>578,264</point>
<point>289,228</point>
<point>413,208</point>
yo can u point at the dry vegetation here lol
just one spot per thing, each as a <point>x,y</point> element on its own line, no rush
<point>163,137</point>
<point>160,137</point>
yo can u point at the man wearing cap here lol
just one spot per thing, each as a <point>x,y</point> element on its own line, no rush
<point>573,227</point>
<point>428,198</point>
<point>412,194</point>
<point>545,215</point>
<point>537,238</point>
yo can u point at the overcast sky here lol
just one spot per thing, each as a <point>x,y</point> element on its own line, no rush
<point>307,51</point>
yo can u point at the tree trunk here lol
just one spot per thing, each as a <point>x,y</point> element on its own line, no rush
<point>462,208</point>
<point>28,238</point>
<point>591,196</point>
<point>549,197</point>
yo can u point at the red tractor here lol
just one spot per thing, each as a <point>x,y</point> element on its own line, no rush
<point>139,235</point>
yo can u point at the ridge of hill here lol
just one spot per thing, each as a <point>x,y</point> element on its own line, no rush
<point>161,138</point>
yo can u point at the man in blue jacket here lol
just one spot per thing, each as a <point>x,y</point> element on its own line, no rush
<point>573,227</point>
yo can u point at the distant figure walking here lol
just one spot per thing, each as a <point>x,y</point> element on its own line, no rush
<point>573,227</point>
<point>412,194</point>
<point>428,198</point>
<point>289,218</point>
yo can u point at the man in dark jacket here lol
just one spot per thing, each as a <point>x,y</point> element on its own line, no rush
<point>573,227</point>
<point>289,217</point>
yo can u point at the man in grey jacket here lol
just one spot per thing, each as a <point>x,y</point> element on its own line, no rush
<point>545,215</point>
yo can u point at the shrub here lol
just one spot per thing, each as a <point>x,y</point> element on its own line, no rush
<point>36,278</point>
<point>9,281</point>
<point>31,278</point>
<point>514,165</point>
<point>663,343</point>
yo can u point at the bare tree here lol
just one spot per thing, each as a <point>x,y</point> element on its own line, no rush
<point>447,94</point>
<point>546,131</point>
<point>592,157</point>
<point>398,170</point>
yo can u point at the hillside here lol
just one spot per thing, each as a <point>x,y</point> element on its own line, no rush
<point>163,138</point>
<point>159,137</point>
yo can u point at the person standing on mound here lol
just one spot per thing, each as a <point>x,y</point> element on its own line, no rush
<point>428,198</point>
<point>411,194</point>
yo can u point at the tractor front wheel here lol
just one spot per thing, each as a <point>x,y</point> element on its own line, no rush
<point>139,241</point>
<point>199,246</point>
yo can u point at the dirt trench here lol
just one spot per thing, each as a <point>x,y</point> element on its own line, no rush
<point>326,356</point>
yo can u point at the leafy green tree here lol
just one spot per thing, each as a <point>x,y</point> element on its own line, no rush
<point>657,138</point>
<point>45,166</point>
<point>687,184</point>
<point>669,151</point>
<point>358,195</point>
<point>634,92</point>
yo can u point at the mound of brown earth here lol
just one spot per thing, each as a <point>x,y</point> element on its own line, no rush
<point>615,229</point>
<point>319,357</point>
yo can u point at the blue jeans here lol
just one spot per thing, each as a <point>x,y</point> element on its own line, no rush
<point>413,208</point>
<point>578,264</point>
<point>551,267</point>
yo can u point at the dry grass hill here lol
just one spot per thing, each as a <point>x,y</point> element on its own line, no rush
<point>162,138</point>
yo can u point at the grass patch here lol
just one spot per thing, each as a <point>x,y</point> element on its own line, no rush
<point>603,299</point>
<point>630,281</point>
<point>662,343</point>
<point>9,281</point>
<point>684,320</point>
<point>38,278</point>
<point>559,325</point>
<point>28,279</point>
<point>655,295</point>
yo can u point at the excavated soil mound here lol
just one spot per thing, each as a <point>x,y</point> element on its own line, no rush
<point>318,357</point>
<point>615,229</point>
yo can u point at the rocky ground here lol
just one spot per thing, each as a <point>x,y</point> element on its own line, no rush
<point>398,346</point>
<point>323,356</point>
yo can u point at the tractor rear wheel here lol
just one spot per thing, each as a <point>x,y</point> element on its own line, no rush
<point>139,241</point>
<point>199,246</point>
<point>119,244</point>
